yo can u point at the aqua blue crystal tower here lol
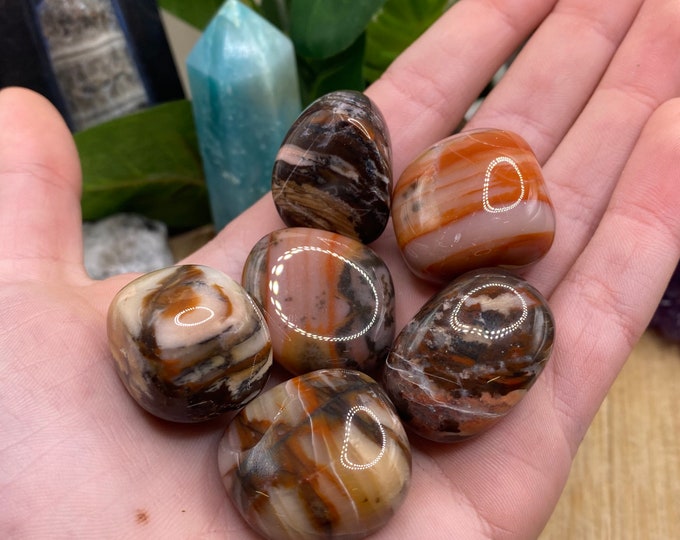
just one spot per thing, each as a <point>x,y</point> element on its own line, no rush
<point>245,96</point>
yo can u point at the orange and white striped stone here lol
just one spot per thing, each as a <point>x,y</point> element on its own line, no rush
<point>472,200</point>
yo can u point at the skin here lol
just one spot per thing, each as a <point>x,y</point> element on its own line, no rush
<point>595,94</point>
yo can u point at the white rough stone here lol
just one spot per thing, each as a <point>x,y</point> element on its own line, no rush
<point>125,243</point>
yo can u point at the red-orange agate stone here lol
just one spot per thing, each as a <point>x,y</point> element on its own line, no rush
<point>474,199</point>
<point>328,300</point>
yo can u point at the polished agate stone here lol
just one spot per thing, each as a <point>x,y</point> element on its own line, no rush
<point>328,299</point>
<point>334,168</point>
<point>474,199</point>
<point>322,455</point>
<point>188,343</point>
<point>469,355</point>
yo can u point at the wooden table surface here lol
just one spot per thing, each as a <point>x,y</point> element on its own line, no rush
<point>625,481</point>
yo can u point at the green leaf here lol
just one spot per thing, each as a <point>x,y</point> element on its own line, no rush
<point>148,163</point>
<point>398,24</point>
<point>194,12</point>
<point>323,28</point>
<point>340,72</point>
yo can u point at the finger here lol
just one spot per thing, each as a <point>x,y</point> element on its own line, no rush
<point>584,170</point>
<point>40,217</point>
<point>548,84</point>
<point>611,292</point>
<point>427,90</point>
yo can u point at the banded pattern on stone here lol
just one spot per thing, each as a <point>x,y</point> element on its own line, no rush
<point>334,168</point>
<point>474,199</point>
<point>469,355</point>
<point>188,343</point>
<point>328,299</point>
<point>322,455</point>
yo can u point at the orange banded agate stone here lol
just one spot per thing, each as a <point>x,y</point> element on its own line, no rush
<point>320,456</point>
<point>472,200</point>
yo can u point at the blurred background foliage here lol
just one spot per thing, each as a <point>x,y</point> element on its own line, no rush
<point>340,43</point>
<point>149,162</point>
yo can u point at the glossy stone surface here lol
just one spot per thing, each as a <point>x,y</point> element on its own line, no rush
<point>245,96</point>
<point>474,199</point>
<point>322,455</point>
<point>334,168</point>
<point>469,355</point>
<point>188,343</point>
<point>328,299</point>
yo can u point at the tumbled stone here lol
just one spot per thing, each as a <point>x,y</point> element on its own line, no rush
<point>334,168</point>
<point>322,455</point>
<point>474,199</point>
<point>328,299</point>
<point>188,343</point>
<point>469,355</point>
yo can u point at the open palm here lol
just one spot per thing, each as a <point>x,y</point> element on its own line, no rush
<point>592,92</point>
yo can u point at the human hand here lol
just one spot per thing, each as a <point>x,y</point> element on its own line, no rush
<point>590,92</point>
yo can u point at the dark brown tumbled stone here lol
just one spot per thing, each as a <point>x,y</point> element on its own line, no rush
<point>334,168</point>
<point>469,355</point>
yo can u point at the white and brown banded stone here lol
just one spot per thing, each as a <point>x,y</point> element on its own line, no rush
<point>322,455</point>
<point>334,168</point>
<point>472,200</point>
<point>189,343</point>
<point>328,299</point>
<point>469,355</point>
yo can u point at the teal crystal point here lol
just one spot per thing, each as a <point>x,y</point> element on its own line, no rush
<point>245,96</point>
